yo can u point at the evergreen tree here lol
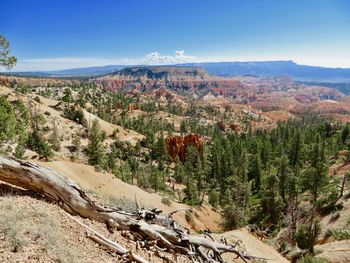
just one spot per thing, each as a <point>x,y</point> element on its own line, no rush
<point>283,174</point>
<point>345,134</point>
<point>156,179</point>
<point>6,60</point>
<point>255,172</point>
<point>179,172</point>
<point>67,96</point>
<point>95,149</point>
<point>37,143</point>
<point>271,202</point>
<point>7,120</point>
<point>296,150</point>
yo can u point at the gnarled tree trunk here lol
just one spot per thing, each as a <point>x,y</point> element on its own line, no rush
<point>71,198</point>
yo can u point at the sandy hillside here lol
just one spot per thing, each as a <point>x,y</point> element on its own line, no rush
<point>340,218</point>
<point>110,187</point>
<point>335,252</point>
<point>122,134</point>
<point>251,245</point>
<point>47,234</point>
<point>67,128</point>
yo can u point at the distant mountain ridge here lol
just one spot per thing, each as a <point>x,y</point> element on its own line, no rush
<point>275,69</point>
<point>226,69</point>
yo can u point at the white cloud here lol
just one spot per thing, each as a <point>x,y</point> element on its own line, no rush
<point>158,59</point>
<point>58,63</point>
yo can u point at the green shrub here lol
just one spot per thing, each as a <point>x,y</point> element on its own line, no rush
<point>306,236</point>
<point>37,99</point>
<point>338,234</point>
<point>214,198</point>
<point>75,114</point>
<point>18,230</point>
<point>20,150</point>
<point>38,144</point>
<point>122,204</point>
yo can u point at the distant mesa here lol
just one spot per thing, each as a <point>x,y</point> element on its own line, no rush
<point>162,73</point>
<point>223,69</point>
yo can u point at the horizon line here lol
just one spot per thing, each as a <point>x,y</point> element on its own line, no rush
<point>160,65</point>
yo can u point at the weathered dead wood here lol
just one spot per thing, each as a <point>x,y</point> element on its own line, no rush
<point>72,199</point>
<point>137,258</point>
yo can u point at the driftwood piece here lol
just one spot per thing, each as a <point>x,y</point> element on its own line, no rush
<point>71,198</point>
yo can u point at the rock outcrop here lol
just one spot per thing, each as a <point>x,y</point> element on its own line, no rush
<point>177,145</point>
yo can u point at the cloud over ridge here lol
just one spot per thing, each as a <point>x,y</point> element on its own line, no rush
<point>178,57</point>
<point>58,63</point>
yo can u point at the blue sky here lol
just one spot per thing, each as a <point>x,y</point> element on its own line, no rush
<point>57,34</point>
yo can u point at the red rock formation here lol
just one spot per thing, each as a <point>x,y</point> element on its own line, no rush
<point>235,127</point>
<point>193,139</point>
<point>177,145</point>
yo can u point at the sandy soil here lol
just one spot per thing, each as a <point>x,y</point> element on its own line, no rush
<point>122,134</point>
<point>73,238</point>
<point>251,245</point>
<point>337,220</point>
<point>335,252</point>
<point>109,186</point>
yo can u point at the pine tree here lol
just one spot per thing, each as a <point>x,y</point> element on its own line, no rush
<point>95,149</point>
<point>6,60</point>
<point>255,172</point>
<point>241,190</point>
<point>156,179</point>
<point>54,139</point>
<point>7,120</point>
<point>345,134</point>
<point>179,172</point>
<point>283,174</point>
<point>67,96</point>
<point>37,143</point>
<point>296,150</point>
<point>316,177</point>
<point>126,174</point>
<point>271,202</point>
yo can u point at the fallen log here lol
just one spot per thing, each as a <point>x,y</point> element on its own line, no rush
<point>58,188</point>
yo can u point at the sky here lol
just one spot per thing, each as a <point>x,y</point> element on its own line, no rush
<point>60,34</point>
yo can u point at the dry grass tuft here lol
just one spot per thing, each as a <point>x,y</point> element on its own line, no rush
<point>22,226</point>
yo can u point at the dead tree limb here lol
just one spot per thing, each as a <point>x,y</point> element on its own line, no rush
<point>72,198</point>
